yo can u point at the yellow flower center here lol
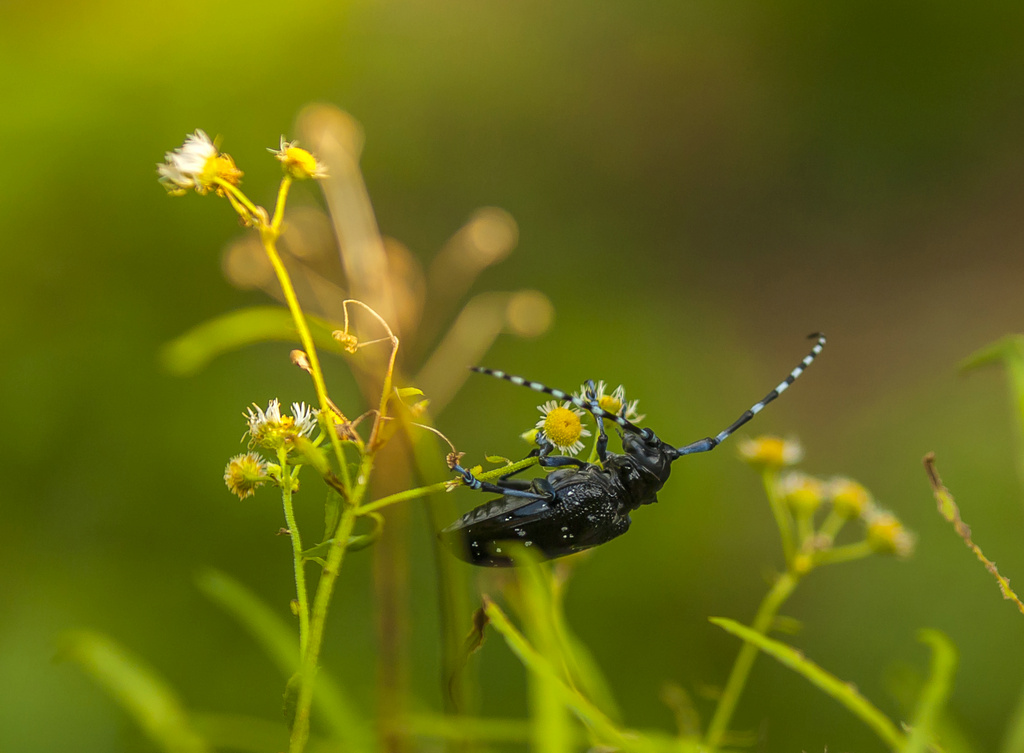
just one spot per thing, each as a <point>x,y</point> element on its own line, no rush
<point>299,161</point>
<point>886,534</point>
<point>610,403</point>
<point>849,498</point>
<point>274,433</point>
<point>802,493</point>
<point>770,452</point>
<point>563,427</point>
<point>218,166</point>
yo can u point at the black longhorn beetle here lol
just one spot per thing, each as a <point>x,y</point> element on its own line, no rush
<point>580,505</point>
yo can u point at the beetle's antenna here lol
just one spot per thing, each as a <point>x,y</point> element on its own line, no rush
<point>710,443</point>
<point>587,405</point>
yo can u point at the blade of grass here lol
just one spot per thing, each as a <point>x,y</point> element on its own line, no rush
<point>1010,352</point>
<point>1014,740</point>
<point>137,688</point>
<point>588,713</point>
<point>551,725</point>
<point>843,692</point>
<point>935,692</point>
<point>191,351</point>
<point>280,642</point>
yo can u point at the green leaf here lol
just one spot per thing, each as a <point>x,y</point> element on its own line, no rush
<point>355,543</point>
<point>935,692</point>
<point>843,692</point>
<point>409,391</point>
<point>332,512</point>
<point>551,723</point>
<point>138,688</point>
<point>1007,348</point>
<point>280,641</point>
<point>312,455</point>
<point>603,727</point>
<point>291,698</point>
<point>1014,740</point>
<point>193,350</point>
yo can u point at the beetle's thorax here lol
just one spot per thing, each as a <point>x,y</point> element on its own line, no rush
<point>641,470</point>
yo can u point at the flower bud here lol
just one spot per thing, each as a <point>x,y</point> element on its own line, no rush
<point>849,499</point>
<point>803,493</point>
<point>888,536</point>
<point>770,452</point>
<point>245,473</point>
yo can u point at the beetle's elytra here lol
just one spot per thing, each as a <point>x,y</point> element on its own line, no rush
<point>579,505</point>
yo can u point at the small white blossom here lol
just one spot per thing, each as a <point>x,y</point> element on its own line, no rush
<point>269,429</point>
<point>613,403</point>
<point>562,425</point>
<point>260,419</point>
<point>305,418</point>
<point>197,164</point>
<point>183,168</point>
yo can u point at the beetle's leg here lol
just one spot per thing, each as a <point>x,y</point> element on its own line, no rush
<point>474,483</point>
<point>590,394</point>
<point>547,460</point>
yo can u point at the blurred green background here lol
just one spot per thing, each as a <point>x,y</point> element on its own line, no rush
<point>697,186</point>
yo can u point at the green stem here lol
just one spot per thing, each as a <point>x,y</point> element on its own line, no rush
<point>237,198</point>
<point>440,486</point>
<point>831,526</point>
<point>766,614</point>
<point>293,532</point>
<point>804,529</point>
<point>282,198</point>
<point>325,587</point>
<point>408,494</point>
<point>269,235</point>
<point>770,477</point>
<point>844,553</point>
<point>321,603</point>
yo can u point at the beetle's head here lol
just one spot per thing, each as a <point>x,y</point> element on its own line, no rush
<point>652,457</point>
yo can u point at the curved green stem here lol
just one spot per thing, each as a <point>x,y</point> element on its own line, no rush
<point>321,603</point>
<point>845,553</point>
<point>268,235</point>
<point>440,486</point>
<point>391,499</point>
<point>770,478</point>
<point>237,198</point>
<point>766,614</point>
<point>282,198</point>
<point>293,532</point>
<point>831,526</point>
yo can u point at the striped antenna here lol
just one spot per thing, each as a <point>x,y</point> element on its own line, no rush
<point>710,443</point>
<point>579,402</point>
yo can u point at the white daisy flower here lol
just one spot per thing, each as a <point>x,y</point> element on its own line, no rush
<point>197,164</point>
<point>305,418</point>
<point>269,429</point>
<point>562,425</point>
<point>613,403</point>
